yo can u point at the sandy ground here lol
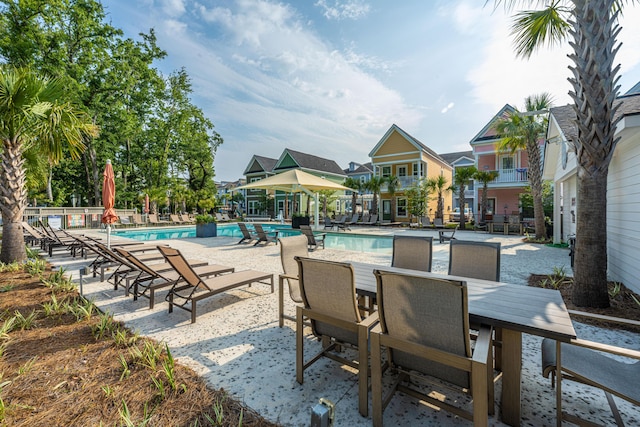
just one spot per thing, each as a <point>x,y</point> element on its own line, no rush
<point>236,343</point>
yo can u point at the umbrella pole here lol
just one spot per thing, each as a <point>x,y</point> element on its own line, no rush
<point>109,236</point>
<point>317,211</point>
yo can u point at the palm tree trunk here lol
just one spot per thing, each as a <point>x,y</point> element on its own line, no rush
<point>13,195</point>
<point>594,92</point>
<point>535,180</point>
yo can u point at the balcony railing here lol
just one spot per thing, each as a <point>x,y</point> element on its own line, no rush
<point>404,182</point>
<point>517,175</point>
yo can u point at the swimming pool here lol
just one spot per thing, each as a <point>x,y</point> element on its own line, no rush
<point>343,241</point>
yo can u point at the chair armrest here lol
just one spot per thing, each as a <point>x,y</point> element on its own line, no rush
<point>484,345</point>
<point>620,320</point>
<point>633,354</point>
<point>288,276</point>
<point>370,321</point>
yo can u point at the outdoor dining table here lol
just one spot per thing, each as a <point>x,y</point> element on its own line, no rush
<point>514,309</point>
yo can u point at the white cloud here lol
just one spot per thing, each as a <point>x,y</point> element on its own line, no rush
<point>352,9</point>
<point>447,108</point>
<point>173,8</point>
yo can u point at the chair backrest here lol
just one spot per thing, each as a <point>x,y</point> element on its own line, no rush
<point>180,264</point>
<point>137,219</point>
<point>260,231</point>
<point>413,252</point>
<point>477,260</point>
<point>225,217</point>
<point>328,287</point>
<point>244,230</point>
<point>373,219</point>
<point>438,222</point>
<point>425,221</point>
<point>32,231</point>
<point>291,247</point>
<point>308,232</point>
<point>427,311</point>
<point>354,218</point>
<point>131,258</point>
<point>365,218</point>
<point>327,221</point>
<point>174,218</point>
<point>153,218</point>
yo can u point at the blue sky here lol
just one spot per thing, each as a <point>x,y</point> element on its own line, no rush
<point>329,77</point>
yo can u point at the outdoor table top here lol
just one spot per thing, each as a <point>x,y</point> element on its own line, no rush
<point>527,309</point>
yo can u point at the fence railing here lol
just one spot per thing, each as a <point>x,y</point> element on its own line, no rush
<point>69,218</point>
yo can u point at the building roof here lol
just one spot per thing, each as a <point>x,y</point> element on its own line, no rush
<point>488,133</point>
<point>361,169</point>
<point>310,162</point>
<point>419,145</point>
<point>634,90</point>
<point>266,164</point>
<point>452,157</point>
<point>565,115</point>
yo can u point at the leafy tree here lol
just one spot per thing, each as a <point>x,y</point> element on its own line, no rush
<point>327,197</point>
<point>526,200</point>
<point>438,185</point>
<point>33,113</point>
<point>460,181</point>
<point>523,131</point>
<point>374,185</point>
<point>593,28</point>
<point>393,184</point>
<point>416,198</point>
<point>355,184</point>
<point>485,177</point>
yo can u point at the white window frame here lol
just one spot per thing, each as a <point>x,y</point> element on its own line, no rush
<point>399,168</point>
<point>252,208</point>
<point>385,171</point>
<point>415,166</point>
<point>404,205</point>
<point>505,157</point>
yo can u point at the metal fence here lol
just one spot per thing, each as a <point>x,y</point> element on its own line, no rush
<point>70,218</point>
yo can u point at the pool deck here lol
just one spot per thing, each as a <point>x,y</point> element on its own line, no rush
<point>237,344</point>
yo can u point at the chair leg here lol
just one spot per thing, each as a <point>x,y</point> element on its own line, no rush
<point>376,380</point>
<point>280,302</point>
<point>480,401</point>
<point>299,346</point>
<point>363,371</point>
<point>558,384</point>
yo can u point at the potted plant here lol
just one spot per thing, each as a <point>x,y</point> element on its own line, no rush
<point>299,219</point>
<point>206,226</point>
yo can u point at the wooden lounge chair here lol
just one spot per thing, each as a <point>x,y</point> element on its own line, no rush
<point>406,304</point>
<point>153,219</point>
<point>412,252</point>
<point>328,292</point>
<point>314,240</point>
<point>150,279</point>
<point>263,236</point>
<point>290,247</point>
<point>447,234</point>
<point>191,288</point>
<point>175,219</point>
<point>478,260</point>
<point>246,233</point>
<point>186,218</point>
<point>586,362</point>
<point>137,220</point>
<point>123,268</point>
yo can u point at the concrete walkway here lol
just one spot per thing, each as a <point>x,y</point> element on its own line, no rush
<point>237,344</point>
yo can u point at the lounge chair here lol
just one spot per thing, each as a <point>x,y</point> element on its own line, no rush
<point>137,220</point>
<point>345,225</point>
<point>175,219</point>
<point>153,219</point>
<point>365,219</point>
<point>339,223</point>
<point>477,260</point>
<point>186,218</point>
<point>373,220</point>
<point>191,288</point>
<point>447,234</point>
<point>105,259</point>
<point>152,278</point>
<point>246,233</point>
<point>263,236</point>
<point>585,362</point>
<point>225,217</point>
<point>290,247</point>
<point>328,223</point>
<point>412,252</point>
<point>314,240</point>
<point>328,292</point>
<point>424,326</point>
<point>437,223</point>
<point>33,235</point>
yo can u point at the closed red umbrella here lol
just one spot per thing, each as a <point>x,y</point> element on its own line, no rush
<point>108,199</point>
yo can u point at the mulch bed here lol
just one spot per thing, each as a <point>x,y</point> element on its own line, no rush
<point>621,300</point>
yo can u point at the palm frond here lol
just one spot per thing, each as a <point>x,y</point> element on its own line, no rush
<point>536,28</point>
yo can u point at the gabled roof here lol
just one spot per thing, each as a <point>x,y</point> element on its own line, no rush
<point>260,164</point>
<point>634,90</point>
<point>308,162</point>
<point>452,158</point>
<point>419,145</point>
<point>565,115</point>
<point>361,169</point>
<point>487,133</point>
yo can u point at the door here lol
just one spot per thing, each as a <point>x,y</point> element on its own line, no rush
<point>386,210</point>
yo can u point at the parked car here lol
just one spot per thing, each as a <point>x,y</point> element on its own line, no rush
<point>468,215</point>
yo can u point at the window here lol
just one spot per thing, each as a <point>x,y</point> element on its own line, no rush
<point>385,171</point>
<point>508,162</point>
<point>254,179</point>
<point>401,170</point>
<point>253,207</point>
<point>401,207</point>
<point>363,179</point>
<point>337,206</point>
<point>417,167</point>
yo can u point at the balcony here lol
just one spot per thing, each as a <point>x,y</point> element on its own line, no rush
<point>511,176</point>
<point>404,182</point>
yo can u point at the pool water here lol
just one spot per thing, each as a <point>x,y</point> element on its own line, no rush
<point>343,241</point>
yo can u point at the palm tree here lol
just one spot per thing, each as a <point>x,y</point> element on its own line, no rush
<point>355,184</point>
<point>374,185</point>
<point>460,180</point>
<point>438,184</point>
<point>485,177</point>
<point>593,28</point>
<point>523,131</point>
<point>392,186</point>
<point>33,113</point>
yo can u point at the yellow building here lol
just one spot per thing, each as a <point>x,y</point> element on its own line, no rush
<point>401,155</point>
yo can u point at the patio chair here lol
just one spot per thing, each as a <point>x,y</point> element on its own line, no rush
<point>152,278</point>
<point>424,326</point>
<point>373,220</point>
<point>191,288</point>
<point>186,218</point>
<point>175,219</point>
<point>290,247</point>
<point>585,362</point>
<point>447,234</point>
<point>137,220</point>
<point>153,219</point>
<point>412,252</point>
<point>314,240</point>
<point>477,260</point>
<point>345,224</point>
<point>329,296</point>
<point>32,235</point>
<point>339,223</point>
<point>364,219</point>
<point>328,224</point>
<point>263,236</point>
<point>437,223</point>
<point>246,234</point>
